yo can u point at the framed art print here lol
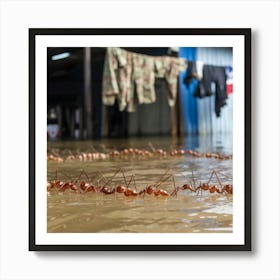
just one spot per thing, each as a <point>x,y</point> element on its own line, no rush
<point>140,139</point>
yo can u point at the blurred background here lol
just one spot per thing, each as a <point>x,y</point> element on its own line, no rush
<point>76,110</point>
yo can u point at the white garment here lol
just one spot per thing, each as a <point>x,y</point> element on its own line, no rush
<point>199,69</point>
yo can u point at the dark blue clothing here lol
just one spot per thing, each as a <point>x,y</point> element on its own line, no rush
<point>217,75</point>
<point>211,74</point>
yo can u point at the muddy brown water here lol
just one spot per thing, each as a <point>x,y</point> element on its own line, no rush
<point>70,212</point>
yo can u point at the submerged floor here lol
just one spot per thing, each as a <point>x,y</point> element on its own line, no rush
<point>96,212</point>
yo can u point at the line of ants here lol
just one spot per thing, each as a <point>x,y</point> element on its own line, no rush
<point>103,185</point>
<point>140,153</point>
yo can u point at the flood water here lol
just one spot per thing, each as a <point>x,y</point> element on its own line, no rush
<point>70,212</point>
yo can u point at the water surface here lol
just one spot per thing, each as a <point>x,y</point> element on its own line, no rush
<point>96,212</point>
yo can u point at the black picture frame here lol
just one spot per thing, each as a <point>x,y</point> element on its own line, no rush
<point>245,33</point>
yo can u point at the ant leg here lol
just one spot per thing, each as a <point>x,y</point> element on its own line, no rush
<point>220,183</point>
<point>80,175</point>
<point>193,180</point>
<point>193,183</point>
<point>134,182</point>
<point>161,180</point>
<point>189,180</point>
<point>152,147</point>
<point>84,172</point>
<point>124,177</point>
<point>176,189</point>
<point>127,184</point>
<point>144,193</point>
<point>108,181</point>
<point>174,184</point>
<point>132,178</point>
<point>212,173</point>
<point>102,176</point>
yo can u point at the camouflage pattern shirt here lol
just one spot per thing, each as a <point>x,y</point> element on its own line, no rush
<point>127,74</point>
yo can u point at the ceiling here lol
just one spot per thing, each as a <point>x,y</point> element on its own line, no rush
<point>59,67</point>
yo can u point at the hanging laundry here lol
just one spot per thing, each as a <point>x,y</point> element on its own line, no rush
<point>191,73</point>
<point>117,83</point>
<point>205,75</point>
<point>194,75</point>
<point>169,68</point>
<point>229,73</point>
<point>123,70</point>
<point>217,75</point>
<point>194,70</point>
<point>143,76</point>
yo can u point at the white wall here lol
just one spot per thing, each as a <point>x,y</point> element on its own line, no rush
<point>17,262</point>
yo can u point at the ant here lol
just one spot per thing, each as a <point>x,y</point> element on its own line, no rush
<point>153,189</point>
<point>188,186</point>
<point>228,189</point>
<point>60,185</point>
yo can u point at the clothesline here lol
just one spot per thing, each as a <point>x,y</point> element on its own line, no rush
<point>130,77</point>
